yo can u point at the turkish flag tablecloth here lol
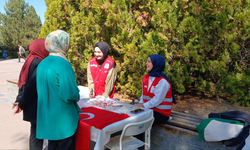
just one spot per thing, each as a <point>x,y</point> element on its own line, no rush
<point>92,116</point>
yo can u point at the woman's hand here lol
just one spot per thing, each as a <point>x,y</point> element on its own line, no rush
<point>91,95</point>
<point>139,105</point>
<point>16,108</point>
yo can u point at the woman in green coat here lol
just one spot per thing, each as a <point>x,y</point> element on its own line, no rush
<point>58,94</point>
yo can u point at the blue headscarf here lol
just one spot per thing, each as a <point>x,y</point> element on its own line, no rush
<point>158,66</point>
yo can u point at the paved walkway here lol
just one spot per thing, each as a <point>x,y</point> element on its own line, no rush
<point>14,132</point>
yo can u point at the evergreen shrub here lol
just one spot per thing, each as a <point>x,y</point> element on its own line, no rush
<point>205,43</point>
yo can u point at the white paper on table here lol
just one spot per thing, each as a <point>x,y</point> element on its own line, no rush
<point>83,103</point>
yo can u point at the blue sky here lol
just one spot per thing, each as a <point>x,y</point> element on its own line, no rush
<point>39,6</point>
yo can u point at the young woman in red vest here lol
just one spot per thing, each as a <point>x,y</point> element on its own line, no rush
<point>101,72</point>
<point>157,90</point>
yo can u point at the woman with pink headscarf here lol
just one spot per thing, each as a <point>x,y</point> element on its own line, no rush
<point>26,99</point>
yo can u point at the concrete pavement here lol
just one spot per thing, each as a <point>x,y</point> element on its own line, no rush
<point>14,132</point>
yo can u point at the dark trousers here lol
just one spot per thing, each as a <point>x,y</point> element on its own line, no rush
<point>23,55</point>
<point>64,144</point>
<point>159,118</point>
<point>35,144</point>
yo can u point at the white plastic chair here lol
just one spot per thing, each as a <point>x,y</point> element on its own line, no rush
<point>126,141</point>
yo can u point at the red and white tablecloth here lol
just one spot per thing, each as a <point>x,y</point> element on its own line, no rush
<point>101,123</point>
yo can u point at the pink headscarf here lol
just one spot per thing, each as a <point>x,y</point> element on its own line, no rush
<point>37,50</point>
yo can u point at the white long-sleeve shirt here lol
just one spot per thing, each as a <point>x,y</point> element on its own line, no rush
<point>160,92</point>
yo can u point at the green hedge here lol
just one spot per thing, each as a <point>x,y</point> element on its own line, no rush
<point>205,43</point>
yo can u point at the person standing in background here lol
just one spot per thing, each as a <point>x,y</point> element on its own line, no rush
<point>4,54</point>
<point>26,99</point>
<point>101,72</point>
<point>21,52</point>
<point>58,94</point>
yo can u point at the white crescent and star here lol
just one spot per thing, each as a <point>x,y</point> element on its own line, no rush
<point>90,116</point>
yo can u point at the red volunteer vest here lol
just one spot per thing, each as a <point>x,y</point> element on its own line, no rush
<point>166,105</point>
<point>99,75</point>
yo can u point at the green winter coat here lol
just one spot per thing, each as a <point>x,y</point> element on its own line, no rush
<point>58,112</point>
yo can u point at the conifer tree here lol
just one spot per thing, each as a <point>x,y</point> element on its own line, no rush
<point>20,24</point>
<point>1,39</point>
<point>31,26</point>
<point>12,22</point>
<point>58,15</point>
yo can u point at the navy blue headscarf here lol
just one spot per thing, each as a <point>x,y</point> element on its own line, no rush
<point>158,66</point>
